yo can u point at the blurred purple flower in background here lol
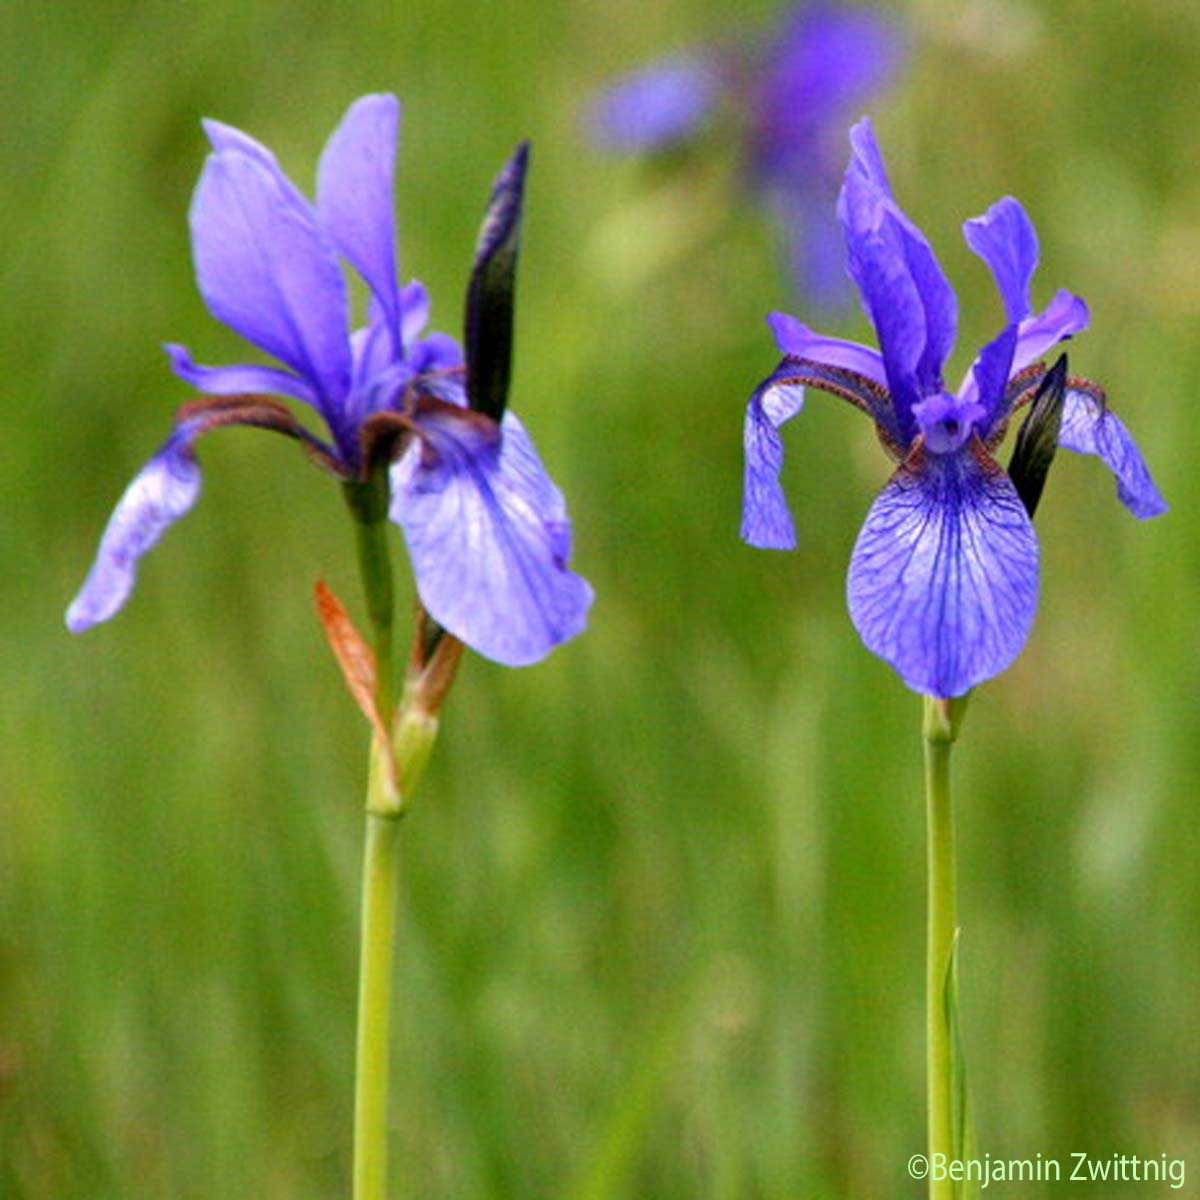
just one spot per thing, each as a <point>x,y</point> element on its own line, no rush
<point>791,98</point>
<point>944,577</point>
<point>487,530</point>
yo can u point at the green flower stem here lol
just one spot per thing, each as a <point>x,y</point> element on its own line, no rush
<point>378,940</point>
<point>368,505</point>
<point>940,731</point>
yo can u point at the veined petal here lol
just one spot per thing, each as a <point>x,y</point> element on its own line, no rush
<point>944,577</point>
<point>1065,316</point>
<point>1004,237</point>
<point>766,521</point>
<point>265,268</point>
<point>356,200</point>
<point>656,106</point>
<point>488,535</point>
<point>237,380</point>
<point>165,490</point>
<point>904,289</point>
<point>1090,427</point>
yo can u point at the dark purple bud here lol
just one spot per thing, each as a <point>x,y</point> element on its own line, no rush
<point>1037,440</point>
<point>489,317</point>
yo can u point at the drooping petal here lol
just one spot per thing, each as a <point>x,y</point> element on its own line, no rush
<point>904,290</point>
<point>1004,237</point>
<point>356,200</point>
<point>766,520</point>
<point>488,535</point>
<point>656,106</point>
<point>164,490</point>
<point>1065,316</point>
<point>161,492</point>
<point>1090,427</point>
<point>236,380</point>
<point>944,577</point>
<point>266,269</point>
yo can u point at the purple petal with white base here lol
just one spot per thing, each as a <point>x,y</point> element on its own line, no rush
<point>266,269</point>
<point>355,197</point>
<point>161,492</point>
<point>766,521</point>
<point>1089,427</point>
<point>488,535</point>
<point>944,577</point>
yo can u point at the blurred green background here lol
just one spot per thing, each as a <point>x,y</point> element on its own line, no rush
<point>662,906</point>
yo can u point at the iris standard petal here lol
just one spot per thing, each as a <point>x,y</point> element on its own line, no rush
<point>266,269</point>
<point>356,197</point>
<point>237,380</point>
<point>944,577</point>
<point>882,242</point>
<point>1090,427</point>
<point>656,106</point>
<point>766,520</point>
<point>1004,237</point>
<point>488,535</point>
<point>161,492</point>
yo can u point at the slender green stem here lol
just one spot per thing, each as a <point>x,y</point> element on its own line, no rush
<point>368,505</point>
<point>378,939</point>
<point>942,923</point>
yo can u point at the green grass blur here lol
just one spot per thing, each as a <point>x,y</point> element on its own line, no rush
<point>662,911</point>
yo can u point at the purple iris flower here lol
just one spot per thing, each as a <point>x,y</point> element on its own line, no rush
<point>793,96</point>
<point>487,530</point>
<point>943,579</point>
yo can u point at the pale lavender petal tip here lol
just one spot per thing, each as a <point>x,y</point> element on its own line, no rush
<point>1090,428</point>
<point>488,536</point>
<point>162,492</point>
<point>766,520</point>
<point>944,577</point>
<point>655,107</point>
